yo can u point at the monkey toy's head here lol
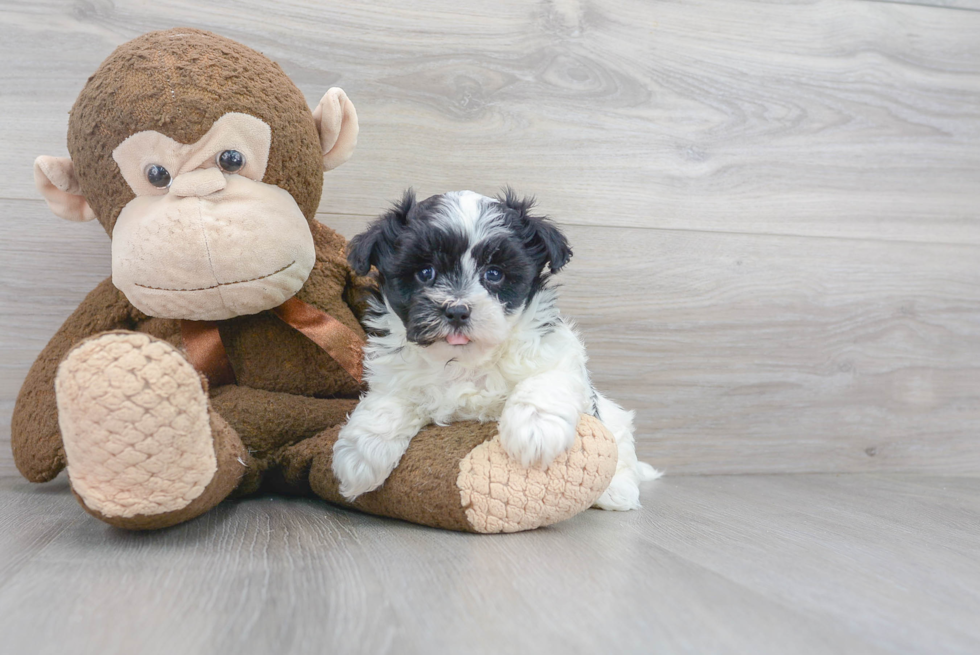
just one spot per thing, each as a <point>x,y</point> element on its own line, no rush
<point>203,162</point>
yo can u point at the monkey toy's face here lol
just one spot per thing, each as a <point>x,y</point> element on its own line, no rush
<point>203,162</point>
<point>244,246</point>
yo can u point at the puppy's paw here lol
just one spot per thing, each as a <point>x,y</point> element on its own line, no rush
<point>622,494</point>
<point>533,437</point>
<point>363,461</point>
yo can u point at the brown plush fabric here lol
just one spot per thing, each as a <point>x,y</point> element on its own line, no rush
<point>291,363</point>
<point>422,488</point>
<point>268,421</point>
<point>277,424</point>
<point>267,355</point>
<point>178,82</point>
<point>458,477</point>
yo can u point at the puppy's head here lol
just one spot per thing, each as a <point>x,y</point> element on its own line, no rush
<point>457,267</point>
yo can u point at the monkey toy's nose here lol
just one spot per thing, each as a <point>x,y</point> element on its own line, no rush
<point>458,315</point>
<point>200,182</point>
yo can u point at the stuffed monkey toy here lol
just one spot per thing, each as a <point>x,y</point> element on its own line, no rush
<point>224,353</point>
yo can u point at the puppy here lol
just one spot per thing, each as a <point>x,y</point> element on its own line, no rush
<point>466,328</point>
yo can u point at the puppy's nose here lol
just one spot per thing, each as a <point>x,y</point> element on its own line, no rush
<point>458,314</point>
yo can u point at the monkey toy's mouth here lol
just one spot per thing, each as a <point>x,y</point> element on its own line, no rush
<point>220,284</point>
<point>220,300</point>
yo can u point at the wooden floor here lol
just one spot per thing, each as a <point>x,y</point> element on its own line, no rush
<point>775,211</point>
<point>774,207</point>
<point>774,564</point>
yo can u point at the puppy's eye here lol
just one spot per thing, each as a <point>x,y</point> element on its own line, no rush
<point>427,274</point>
<point>493,275</point>
<point>231,161</point>
<point>158,176</point>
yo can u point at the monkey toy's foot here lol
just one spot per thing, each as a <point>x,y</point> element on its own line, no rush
<point>459,477</point>
<point>143,448</point>
<point>500,495</point>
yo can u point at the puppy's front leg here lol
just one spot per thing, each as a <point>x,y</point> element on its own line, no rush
<point>369,447</point>
<point>539,419</point>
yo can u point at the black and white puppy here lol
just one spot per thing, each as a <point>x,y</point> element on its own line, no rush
<point>467,329</point>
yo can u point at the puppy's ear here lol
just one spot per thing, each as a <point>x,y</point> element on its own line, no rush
<point>378,241</point>
<point>541,236</point>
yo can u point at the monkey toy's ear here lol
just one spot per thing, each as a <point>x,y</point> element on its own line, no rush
<point>55,179</point>
<point>336,121</point>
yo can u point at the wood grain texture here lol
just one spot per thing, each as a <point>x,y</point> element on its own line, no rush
<point>756,353</point>
<point>773,206</point>
<point>969,5</point>
<point>774,209</point>
<point>746,564</point>
<point>740,353</point>
<point>824,117</point>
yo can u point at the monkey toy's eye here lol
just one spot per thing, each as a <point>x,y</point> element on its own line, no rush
<point>427,274</point>
<point>158,176</point>
<point>493,275</point>
<point>231,161</point>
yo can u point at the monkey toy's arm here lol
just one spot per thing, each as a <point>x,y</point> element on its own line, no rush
<point>34,435</point>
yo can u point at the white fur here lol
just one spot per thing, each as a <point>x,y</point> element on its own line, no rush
<point>471,212</point>
<point>526,370</point>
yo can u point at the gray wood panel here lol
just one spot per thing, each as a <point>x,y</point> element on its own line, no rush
<point>830,117</point>
<point>757,353</point>
<point>969,5</point>
<point>740,353</point>
<point>745,564</point>
<point>790,284</point>
<point>794,189</point>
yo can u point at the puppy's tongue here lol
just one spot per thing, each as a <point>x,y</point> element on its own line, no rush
<point>457,339</point>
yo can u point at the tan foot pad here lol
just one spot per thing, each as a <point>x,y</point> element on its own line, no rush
<point>134,419</point>
<point>502,496</point>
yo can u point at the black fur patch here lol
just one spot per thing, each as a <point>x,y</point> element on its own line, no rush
<point>542,238</point>
<point>414,235</point>
<point>507,253</point>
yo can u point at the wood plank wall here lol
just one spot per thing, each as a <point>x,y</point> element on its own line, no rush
<point>775,207</point>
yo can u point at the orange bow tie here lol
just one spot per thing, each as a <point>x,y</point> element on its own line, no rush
<point>207,354</point>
